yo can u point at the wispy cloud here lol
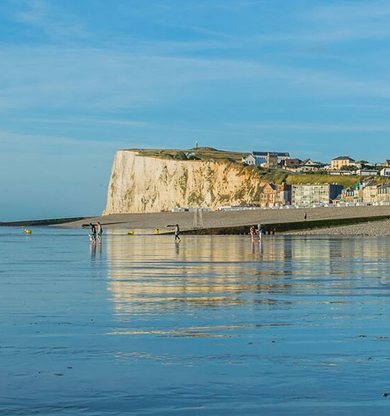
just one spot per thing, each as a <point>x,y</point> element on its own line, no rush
<point>108,79</point>
<point>350,20</point>
<point>317,127</point>
<point>347,11</point>
<point>49,18</point>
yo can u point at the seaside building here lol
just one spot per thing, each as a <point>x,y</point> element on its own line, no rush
<point>283,195</point>
<point>275,195</point>
<point>370,193</point>
<point>385,172</point>
<point>339,162</point>
<point>309,194</point>
<point>352,194</point>
<point>383,193</point>
<point>260,158</point>
<point>348,195</point>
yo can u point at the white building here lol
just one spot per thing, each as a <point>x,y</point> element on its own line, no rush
<point>249,160</point>
<point>367,172</point>
<point>385,172</point>
<point>260,158</point>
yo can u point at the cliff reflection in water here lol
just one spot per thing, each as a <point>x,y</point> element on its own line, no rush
<point>150,274</point>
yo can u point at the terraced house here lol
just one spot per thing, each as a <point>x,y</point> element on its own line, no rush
<point>275,195</point>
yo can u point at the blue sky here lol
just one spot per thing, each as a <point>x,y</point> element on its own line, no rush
<point>81,79</point>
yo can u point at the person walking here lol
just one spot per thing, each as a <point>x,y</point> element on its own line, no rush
<point>305,216</point>
<point>177,233</point>
<point>92,236</point>
<point>99,232</point>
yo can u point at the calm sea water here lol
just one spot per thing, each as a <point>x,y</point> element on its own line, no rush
<point>214,326</point>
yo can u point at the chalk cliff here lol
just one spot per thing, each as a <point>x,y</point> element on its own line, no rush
<point>141,183</point>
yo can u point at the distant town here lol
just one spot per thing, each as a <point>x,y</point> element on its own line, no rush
<point>366,191</point>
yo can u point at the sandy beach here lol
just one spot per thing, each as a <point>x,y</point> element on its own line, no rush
<point>216,219</point>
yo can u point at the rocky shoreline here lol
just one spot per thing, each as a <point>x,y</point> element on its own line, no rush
<point>376,228</point>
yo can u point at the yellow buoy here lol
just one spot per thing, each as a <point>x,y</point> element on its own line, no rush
<point>156,231</point>
<point>130,233</point>
<point>28,231</point>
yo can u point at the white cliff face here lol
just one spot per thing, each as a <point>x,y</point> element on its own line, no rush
<point>148,184</point>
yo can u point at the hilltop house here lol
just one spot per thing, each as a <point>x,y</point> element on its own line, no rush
<point>367,172</point>
<point>263,158</point>
<point>339,162</point>
<point>291,163</point>
<point>309,165</point>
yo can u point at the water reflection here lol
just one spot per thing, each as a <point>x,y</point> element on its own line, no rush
<point>151,274</point>
<point>92,250</point>
<point>215,325</point>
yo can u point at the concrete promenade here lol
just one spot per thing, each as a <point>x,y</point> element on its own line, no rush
<point>220,219</point>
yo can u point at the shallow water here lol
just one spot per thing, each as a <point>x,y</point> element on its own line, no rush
<point>216,325</point>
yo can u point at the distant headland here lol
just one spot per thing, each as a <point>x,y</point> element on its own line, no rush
<point>161,180</point>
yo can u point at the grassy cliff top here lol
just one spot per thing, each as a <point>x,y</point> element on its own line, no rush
<point>272,175</point>
<point>279,176</point>
<point>202,153</point>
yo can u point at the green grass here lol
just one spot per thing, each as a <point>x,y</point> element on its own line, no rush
<point>202,153</point>
<point>345,181</point>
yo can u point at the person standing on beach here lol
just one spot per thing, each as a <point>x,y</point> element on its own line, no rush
<point>252,233</point>
<point>177,233</point>
<point>99,232</point>
<point>261,231</point>
<point>305,216</point>
<point>92,236</point>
